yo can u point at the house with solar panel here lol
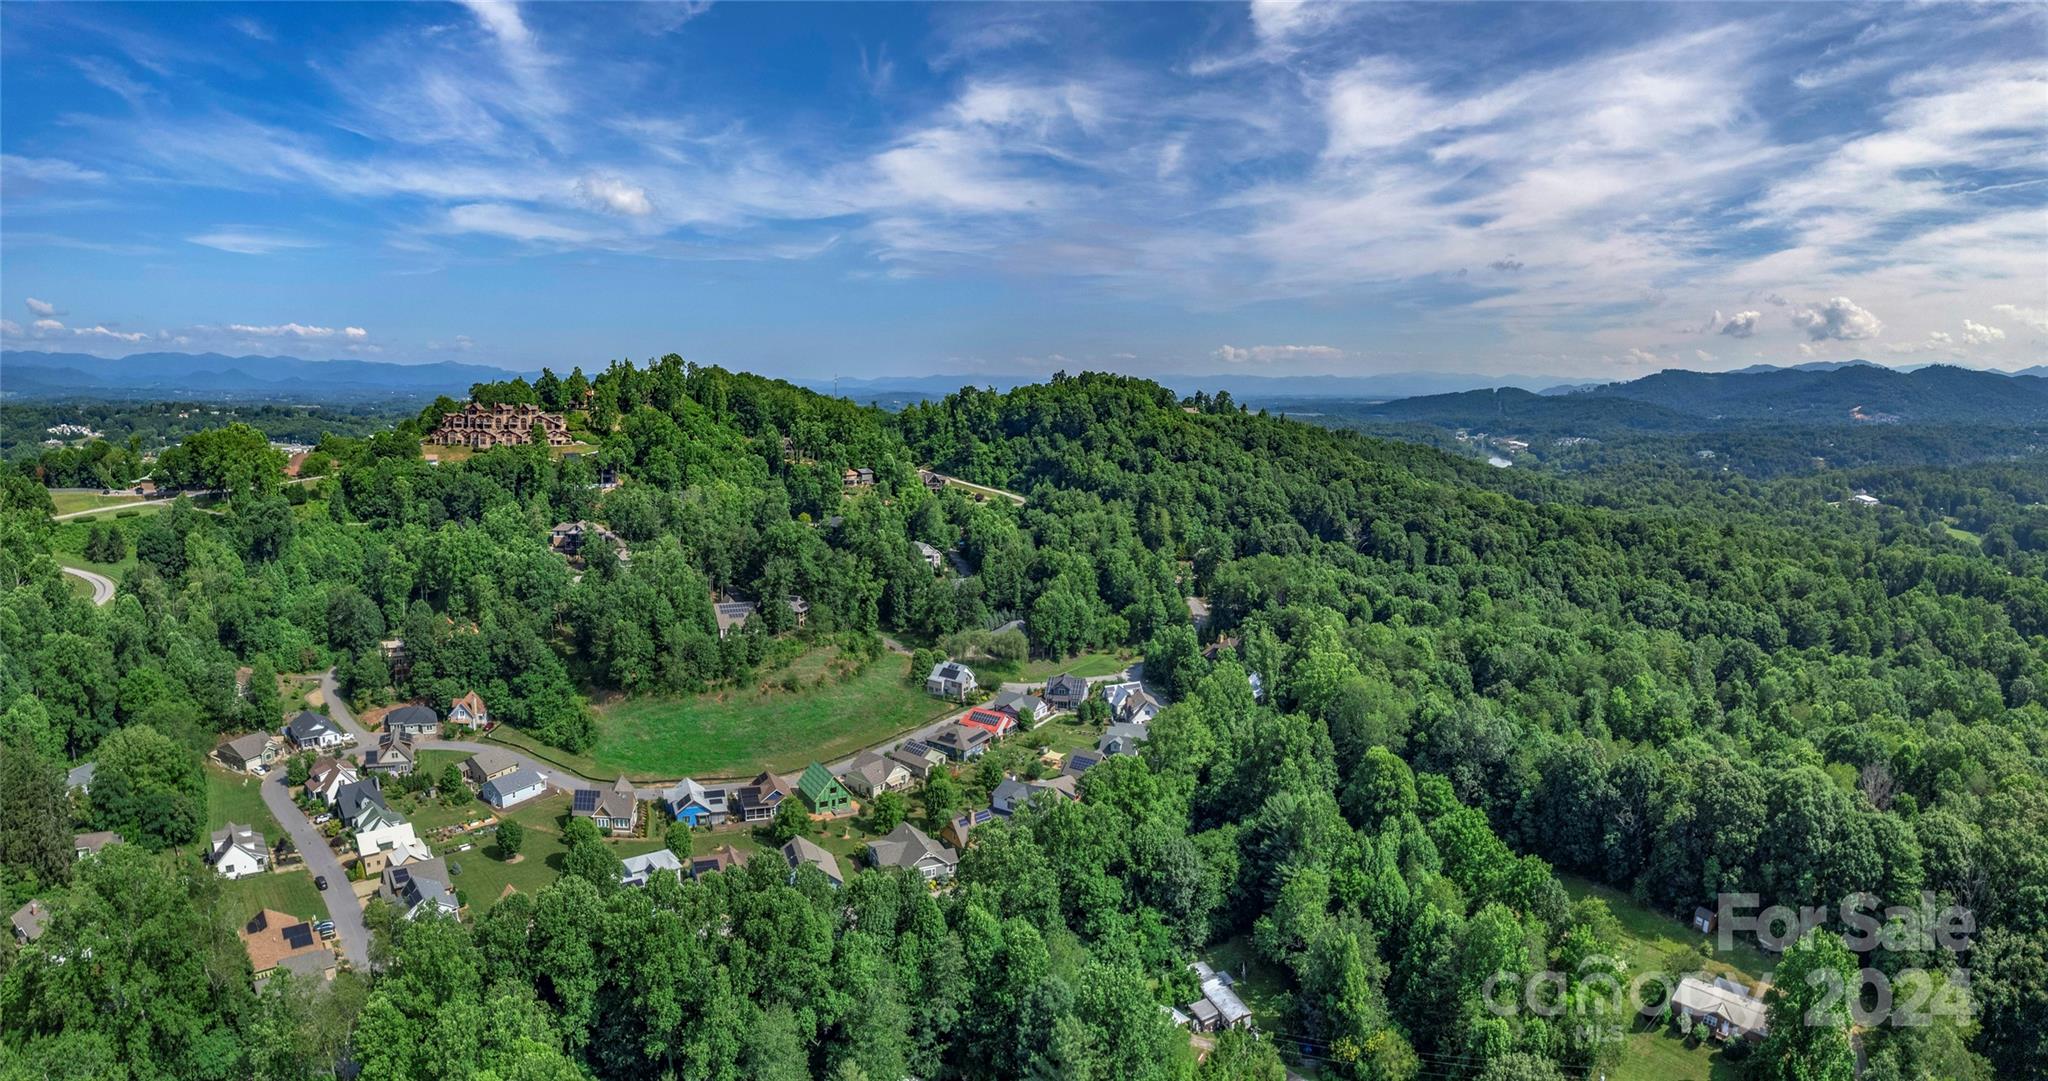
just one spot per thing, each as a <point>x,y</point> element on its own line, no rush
<point>696,806</point>
<point>758,800</point>
<point>616,808</point>
<point>420,888</point>
<point>822,792</point>
<point>278,942</point>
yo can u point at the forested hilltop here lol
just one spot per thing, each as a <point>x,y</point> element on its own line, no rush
<point>1470,685</point>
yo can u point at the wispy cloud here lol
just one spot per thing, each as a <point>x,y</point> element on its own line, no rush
<point>247,240</point>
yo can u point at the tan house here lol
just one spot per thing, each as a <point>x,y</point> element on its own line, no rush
<point>247,752</point>
<point>276,940</point>
<point>481,427</point>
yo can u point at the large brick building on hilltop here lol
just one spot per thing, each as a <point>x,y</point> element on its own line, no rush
<point>482,427</point>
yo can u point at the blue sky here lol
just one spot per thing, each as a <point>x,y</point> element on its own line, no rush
<point>810,190</point>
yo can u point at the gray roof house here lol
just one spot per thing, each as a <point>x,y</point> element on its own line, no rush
<point>1029,709</point>
<point>1219,1007</point>
<point>392,754</point>
<point>950,679</point>
<point>415,720</point>
<point>243,752</point>
<point>616,808</point>
<point>310,731</point>
<point>801,851</point>
<point>28,921</point>
<point>87,844</point>
<point>909,848</point>
<point>488,763</point>
<point>420,887</point>
<point>931,555</point>
<point>514,788</point>
<point>638,870</point>
<point>1066,691</point>
<point>1724,1006</point>
<point>79,778</point>
<point>1123,739</point>
<point>1013,794</point>
<point>363,799</point>
<point>871,773</point>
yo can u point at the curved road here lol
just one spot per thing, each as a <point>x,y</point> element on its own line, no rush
<point>341,903</point>
<point>102,586</point>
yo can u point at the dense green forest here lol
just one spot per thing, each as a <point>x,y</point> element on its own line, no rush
<point>128,433</point>
<point>1670,682</point>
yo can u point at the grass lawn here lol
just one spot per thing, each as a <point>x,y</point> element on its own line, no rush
<point>285,891</point>
<point>1657,1054</point>
<point>990,673</point>
<point>1651,940</point>
<point>70,502</point>
<point>1959,533</point>
<point>236,797</point>
<point>737,732</point>
<point>1261,984</point>
<point>484,876</point>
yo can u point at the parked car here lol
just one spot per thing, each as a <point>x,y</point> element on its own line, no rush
<point>323,819</point>
<point>320,882</point>
<point>325,927</point>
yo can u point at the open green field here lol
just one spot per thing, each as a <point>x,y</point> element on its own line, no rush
<point>484,876</point>
<point>285,891</point>
<point>1958,532</point>
<point>1658,1054</point>
<point>236,797</point>
<point>740,731</point>
<point>990,673</point>
<point>1651,940</point>
<point>70,502</point>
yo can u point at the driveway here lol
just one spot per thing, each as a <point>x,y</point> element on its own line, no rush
<point>102,586</point>
<point>337,710</point>
<point>320,860</point>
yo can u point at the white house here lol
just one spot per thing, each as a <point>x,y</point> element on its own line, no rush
<point>950,679</point>
<point>514,788</point>
<point>468,712</point>
<point>327,777</point>
<point>310,731</point>
<point>638,870</point>
<point>390,846</point>
<point>238,851</point>
<point>1130,703</point>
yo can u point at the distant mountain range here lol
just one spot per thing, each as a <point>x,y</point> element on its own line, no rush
<point>1671,400</point>
<point>1811,391</point>
<point>215,376</point>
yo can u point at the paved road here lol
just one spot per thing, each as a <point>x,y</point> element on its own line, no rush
<point>320,860</point>
<point>102,586</point>
<point>337,710</point>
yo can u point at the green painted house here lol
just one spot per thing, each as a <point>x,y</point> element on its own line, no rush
<point>823,792</point>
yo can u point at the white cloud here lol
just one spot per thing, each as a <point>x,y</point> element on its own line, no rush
<point>101,331</point>
<point>246,240</point>
<point>47,324</point>
<point>1978,334</point>
<point>41,307</point>
<point>10,328</point>
<point>1741,324</point>
<point>1705,357</point>
<point>514,223</point>
<point>291,330</point>
<point>1270,354</point>
<point>47,170</point>
<point>355,334</point>
<point>614,195</point>
<point>1840,319</point>
<point>252,29</point>
<point>2034,318</point>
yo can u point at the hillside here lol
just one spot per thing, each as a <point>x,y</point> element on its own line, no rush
<point>1462,694</point>
<point>1851,394</point>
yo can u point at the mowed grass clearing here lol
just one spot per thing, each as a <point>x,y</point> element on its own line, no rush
<point>289,891</point>
<point>485,874</point>
<point>237,797</point>
<point>740,731</point>
<point>72,502</point>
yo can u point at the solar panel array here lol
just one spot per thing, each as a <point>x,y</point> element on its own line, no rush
<point>586,800</point>
<point>299,935</point>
